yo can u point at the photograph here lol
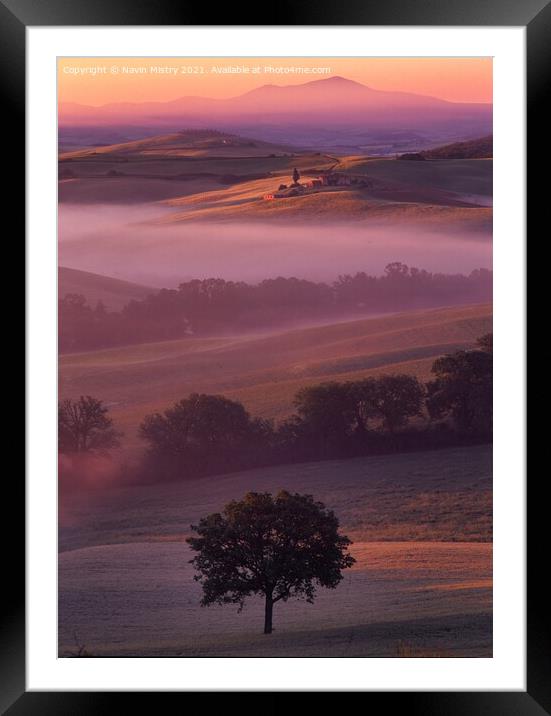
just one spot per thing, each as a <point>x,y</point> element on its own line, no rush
<point>275,356</point>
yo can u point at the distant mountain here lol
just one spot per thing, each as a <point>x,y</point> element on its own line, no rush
<point>334,104</point>
<point>329,95</point>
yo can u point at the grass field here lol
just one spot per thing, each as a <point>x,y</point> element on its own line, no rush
<point>265,371</point>
<point>439,193</point>
<point>173,165</point>
<point>155,178</point>
<point>191,143</point>
<point>130,190</point>
<point>244,202</point>
<point>463,176</point>
<point>225,178</point>
<point>422,585</point>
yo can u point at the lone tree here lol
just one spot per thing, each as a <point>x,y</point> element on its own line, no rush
<point>84,426</point>
<point>296,175</point>
<point>279,547</point>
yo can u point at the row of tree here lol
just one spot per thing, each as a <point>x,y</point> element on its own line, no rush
<point>214,305</point>
<point>208,434</point>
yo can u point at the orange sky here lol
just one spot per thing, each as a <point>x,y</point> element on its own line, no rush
<point>97,81</point>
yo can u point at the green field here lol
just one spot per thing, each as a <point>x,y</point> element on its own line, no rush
<point>264,371</point>
<point>422,585</point>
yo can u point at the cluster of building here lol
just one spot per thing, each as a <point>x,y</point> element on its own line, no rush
<point>329,179</point>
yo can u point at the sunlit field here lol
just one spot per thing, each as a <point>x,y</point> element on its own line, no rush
<point>421,525</point>
<point>266,371</point>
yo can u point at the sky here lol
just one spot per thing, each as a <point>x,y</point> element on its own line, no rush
<point>98,81</point>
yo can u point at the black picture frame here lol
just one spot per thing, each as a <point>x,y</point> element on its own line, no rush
<point>535,16</point>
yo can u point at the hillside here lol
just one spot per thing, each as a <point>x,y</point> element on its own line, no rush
<point>112,292</point>
<point>451,195</point>
<point>473,149</point>
<point>190,162</point>
<point>211,176</point>
<point>422,584</point>
<point>189,143</point>
<point>265,371</point>
<point>342,206</point>
<point>459,176</point>
<point>445,195</point>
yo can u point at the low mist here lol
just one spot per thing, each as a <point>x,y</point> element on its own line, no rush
<point>113,240</point>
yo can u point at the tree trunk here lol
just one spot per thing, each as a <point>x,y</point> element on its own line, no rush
<point>268,610</point>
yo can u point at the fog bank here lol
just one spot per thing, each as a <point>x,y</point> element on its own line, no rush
<point>112,240</point>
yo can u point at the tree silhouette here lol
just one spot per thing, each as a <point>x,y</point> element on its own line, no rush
<point>208,306</point>
<point>486,342</point>
<point>279,547</point>
<point>463,389</point>
<point>202,434</point>
<point>326,412</point>
<point>393,398</point>
<point>331,413</point>
<point>84,426</point>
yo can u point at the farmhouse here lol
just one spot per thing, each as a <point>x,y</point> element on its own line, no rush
<point>315,183</point>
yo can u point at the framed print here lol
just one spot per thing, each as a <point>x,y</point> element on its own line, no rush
<point>270,444</point>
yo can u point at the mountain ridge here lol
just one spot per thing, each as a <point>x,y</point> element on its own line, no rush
<point>312,86</point>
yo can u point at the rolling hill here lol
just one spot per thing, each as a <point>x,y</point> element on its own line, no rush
<point>474,149</point>
<point>406,204</point>
<point>265,371</point>
<point>188,143</point>
<point>454,195</point>
<point>112,292</point>
<point>221,177</point>
<point>189,162</point>
<point>459,176</point>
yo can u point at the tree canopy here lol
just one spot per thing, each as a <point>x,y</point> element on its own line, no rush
<point>206,434</point>
<point>212,305</point>
<point>326,414</point>
<point>336,412</point>
<point>486,343</point>
<point>84,426</point>
<point>201,434</point>
<point>280,547</point>
<point>463,389</point>
<point>393,398</point>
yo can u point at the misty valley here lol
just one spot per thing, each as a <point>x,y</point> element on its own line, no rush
<point>275,369</point>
